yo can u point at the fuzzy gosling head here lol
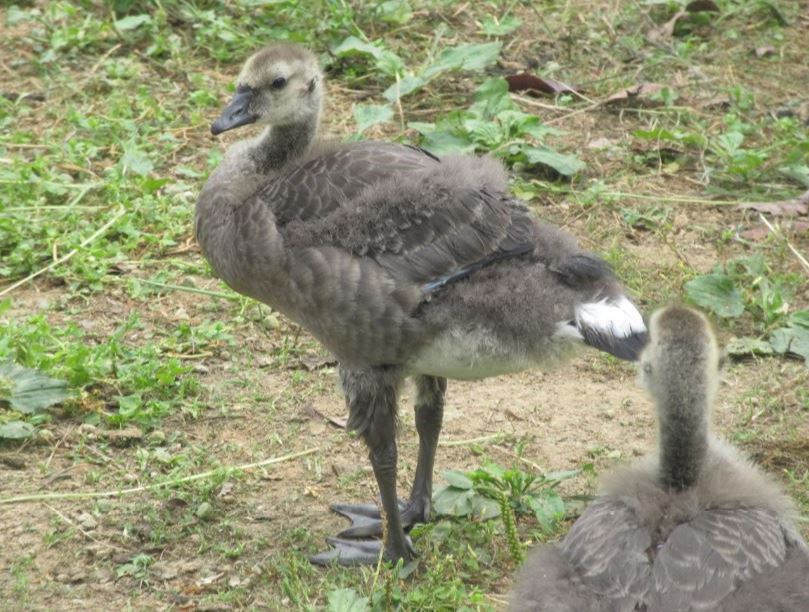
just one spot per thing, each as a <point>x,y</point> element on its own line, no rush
<point>279,85</point>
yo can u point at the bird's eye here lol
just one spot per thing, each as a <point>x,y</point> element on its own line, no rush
<point>647,368</point>
<point>279,83</point>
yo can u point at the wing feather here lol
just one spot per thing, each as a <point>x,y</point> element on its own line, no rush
<point>421,219</point>
<point>608,547</point>
<point>706,559</point>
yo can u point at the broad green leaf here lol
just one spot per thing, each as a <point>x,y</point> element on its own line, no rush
<point>494,471</point>
<point>748,346</point>
<point>390,64</point>
<point>451,501</point>
<point>797,172</point>
<point>441,142</point>
<point>368,115</point>
<point>490,26</point>
<point>492,98</point>
<point>566,165</point>
<point>469,56</point>
<point>129,405</point>
<point>29,391</point>
<point>15,15</point>
<point>717,293</point>
<point>16,430</point>
<point>395,11</point>
<point>354,46</point>
<point>458,480</point>
<point>561,475</point>
<point>131,22</point>
<point>387,61</point>
<point>548,508</point>
<point>135,160</point>
<point>730,142</point>
<point>794,340</point>
<point>488,133</point>
<point>484,508</point>
<point>799,318</point>
<point>347,600</point>
<point>408,84</point>
<point>463,57</point>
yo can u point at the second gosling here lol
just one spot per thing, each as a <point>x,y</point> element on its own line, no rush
<point>692,527</point>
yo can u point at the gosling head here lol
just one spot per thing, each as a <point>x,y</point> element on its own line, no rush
<point>281,84</point>
<point>681,362</point>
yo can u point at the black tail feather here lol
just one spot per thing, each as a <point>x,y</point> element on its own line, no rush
<point>627,348</point>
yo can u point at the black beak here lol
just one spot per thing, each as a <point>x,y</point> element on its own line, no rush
<point>236,113</point>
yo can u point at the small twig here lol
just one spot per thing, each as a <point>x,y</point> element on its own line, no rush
<point>42,497</point>
<point>51,183</point>
<point>57,445</point>
<point>511,453</point>
<point>536,103</point>
<point>102,59</point>
<point>663,198</point>
<point>586,109</point>
<point>795,251</point>
<point>399,108</point>
<point>218,294</point>
<point>64,258</point>
<point>186,356</point>
<point>71,523</point>
<point>58,207</point>
<point>471,440</point>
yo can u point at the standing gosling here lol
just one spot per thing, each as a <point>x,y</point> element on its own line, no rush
<point>693,527</point>
<point>401,264</point>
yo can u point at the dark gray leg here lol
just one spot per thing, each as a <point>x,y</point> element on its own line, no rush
<point>429,416</point>
<point>371,396</point>
<point>365,518</point>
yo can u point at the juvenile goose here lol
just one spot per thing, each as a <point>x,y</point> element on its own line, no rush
<point>693,527</point>
<point>401,264</point>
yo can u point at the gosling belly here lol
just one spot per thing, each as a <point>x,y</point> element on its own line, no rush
<point>475,354</point>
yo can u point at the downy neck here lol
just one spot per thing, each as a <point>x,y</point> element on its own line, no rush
<point>280,144</point>
<point>683,428</point>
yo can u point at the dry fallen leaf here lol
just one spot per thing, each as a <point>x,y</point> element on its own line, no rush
<point>719,101</point>
<point>664,31</point>
<point>601,143</point>
<point>534,84</point>
<point>639,95</point>
<point>764,51</point>
<point>313,413</point>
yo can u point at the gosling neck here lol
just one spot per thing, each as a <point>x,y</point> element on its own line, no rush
<point>280,144</point>
<point>683,421</point>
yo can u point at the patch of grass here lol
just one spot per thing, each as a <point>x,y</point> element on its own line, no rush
<point>20,571</point>
<point>140,382</point>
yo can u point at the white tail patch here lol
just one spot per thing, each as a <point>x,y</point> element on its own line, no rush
<point>617,318</point>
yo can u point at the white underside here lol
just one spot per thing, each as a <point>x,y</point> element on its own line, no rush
<point>475,354</point>
<point>464,354</point>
